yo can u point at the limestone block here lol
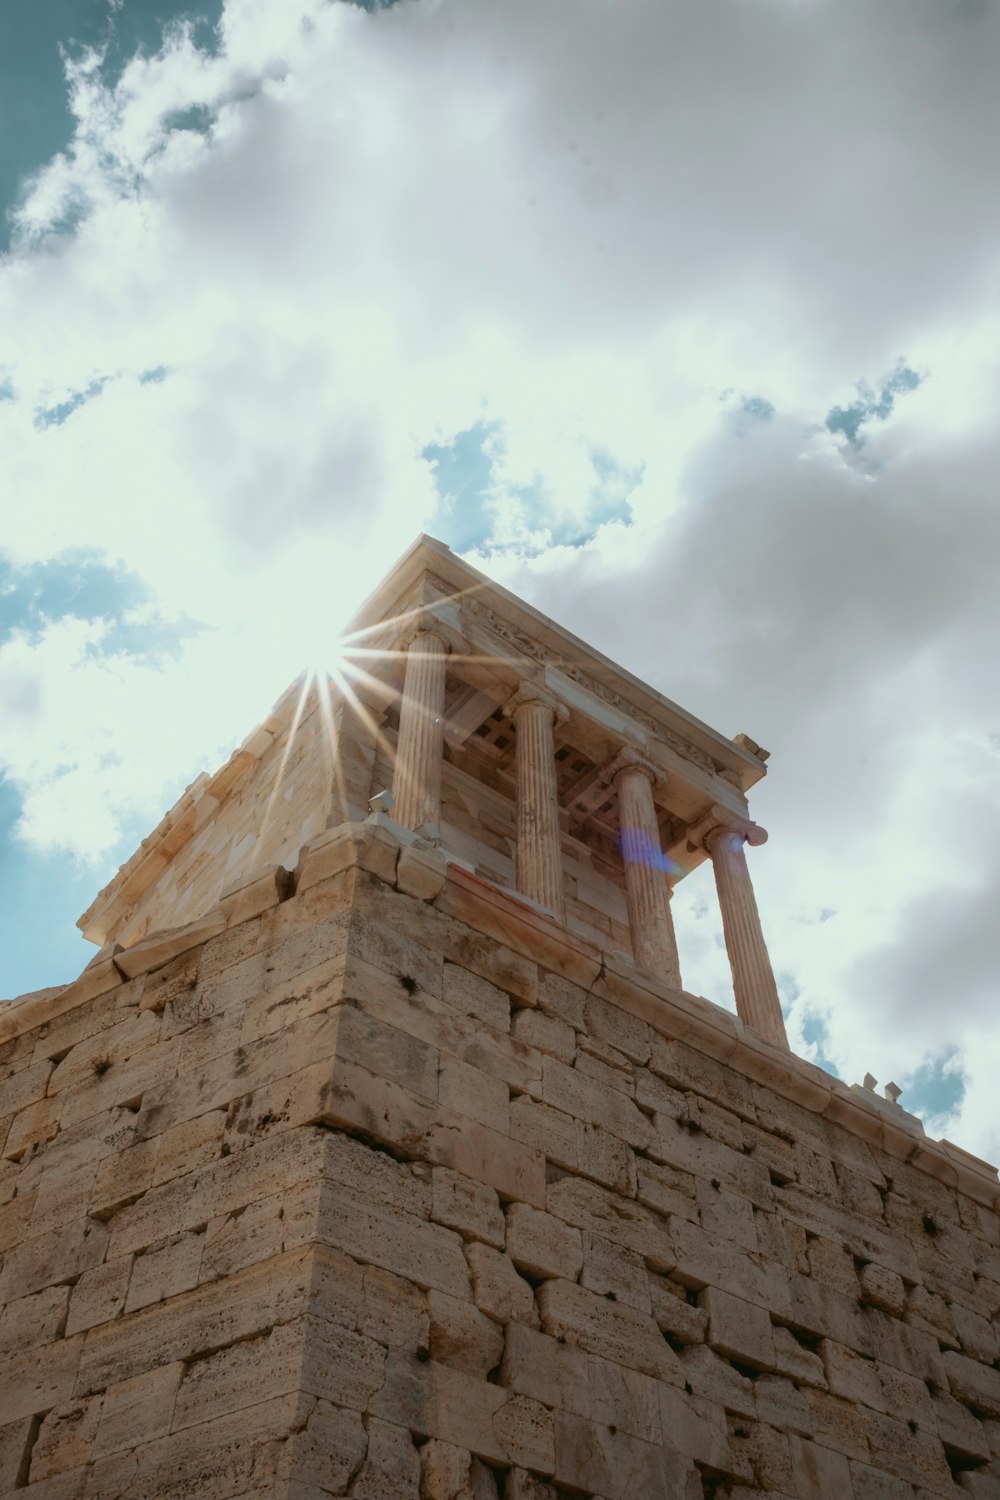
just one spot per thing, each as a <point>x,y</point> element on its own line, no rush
<point>279,1162</point>
<point>666,1190</point>
<point>608,1329</point>
<point>883,1288</point>
<point>471,1092</point>
<point>715,1381</point>
<point>851,1376</point>
<point>738,1330</point>
<point>607,1022</point>
<point>525,1428</point>
<point>606,1158</point>
<point>255,893</point>
<point>166,1269</point>
<point>906,1397</point>
<point>976,1333</point>
<point>36,1122</point>
<point>796,1362</point>
<point>53,1257</point>
<point>434,1401</point>
<point>498,1290</point>
<point>547,1130</point>
<point>653,1094</point>
<point>18,1090</point>
<point>694,1427</point>
<point>596,1459</point>
<point>677,1146</point>
<point>272,1007</point>
<point>675,1314</point>
<point>391,1470</point>
<point>358,1101</point>
<point>563,1000</point>
<point>368,1300</point>
<point>99,1295</point>
<point>191,1144</point>
<point>536,1029</point>
<point>915,1455</point>
<point>727,1217</point>
<point>338,849</point>
<point>838,1424</point>
<point>546,1368</point>
<point>29,1384</point>
<point>159,948</point>
<point>542,1245</point>
<point>975,1384</point>
<point>235,1377</point>
<point>65,1438</point>
<point>472,995</point>
<point>123,1177</point>
<point>615,1272</point>
<point>700,1262</point>
<point>981,1483</point>
<point>138,1410</point>
<point>685,1068</point>
<point>781,1404</point>
<point>606,1065</point>
<point>445,1472</point>
<point>621,1220</point>
<point>959,1429</point>
<point>426,1016</point>
<point>626,1399</point>
<point>421,872</point>
<point>16,1439</point>
<point>33,1321</point>
<point>372,1176</point>
<point>569,1090</point>
<point>281,1222</point>
<point>819,1472</point>
<point>824,1311</point>
<point>462,1336</point>
<point>869,1483</point>
<point>210,1317</point>
<point>424,1253</point>
<point>327,1450</point>
<point>467,1206</point>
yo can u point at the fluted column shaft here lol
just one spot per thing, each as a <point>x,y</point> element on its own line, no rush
<point>416,782</point>
<point>654,945</point>
<point>756,993</point>
<point>539,845</point>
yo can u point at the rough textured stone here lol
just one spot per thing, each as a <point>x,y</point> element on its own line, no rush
<point>387,1184</point>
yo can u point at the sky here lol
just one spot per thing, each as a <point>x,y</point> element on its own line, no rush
<point>680,321</point>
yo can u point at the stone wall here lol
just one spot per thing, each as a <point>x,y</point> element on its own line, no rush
<point>391,1188</point>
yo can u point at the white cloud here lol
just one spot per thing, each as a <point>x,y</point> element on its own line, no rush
<point>583,223</point>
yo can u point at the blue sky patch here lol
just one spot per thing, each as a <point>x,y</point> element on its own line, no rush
<point>83,587</point>
<point>35,118</point>
<point>849,420</point>
<point>467,517</point>
<point>816,1033</point>
<point>937,1088</point>
<point>54,416</point>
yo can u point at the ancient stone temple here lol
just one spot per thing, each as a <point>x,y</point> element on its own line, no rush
<point>380,1151</point>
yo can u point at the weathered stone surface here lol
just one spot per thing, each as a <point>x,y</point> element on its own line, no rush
<point>393,1186</point>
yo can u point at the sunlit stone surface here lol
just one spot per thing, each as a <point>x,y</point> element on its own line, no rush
<point>379,1153</point>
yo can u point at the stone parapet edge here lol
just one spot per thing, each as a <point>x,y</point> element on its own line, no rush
<point>429,875</point>
<point>191,811</point>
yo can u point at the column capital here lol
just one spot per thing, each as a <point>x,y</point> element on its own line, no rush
<point>427,622</point>
<point>628,759</point>
<point>528,692</point>
<point>719,820</point>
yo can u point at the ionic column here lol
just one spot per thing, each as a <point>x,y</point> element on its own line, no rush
<point>416,781</point>
<point>539,844</point>
<point>653,942</point>
<point>756,993</point>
